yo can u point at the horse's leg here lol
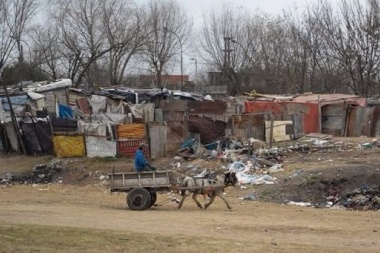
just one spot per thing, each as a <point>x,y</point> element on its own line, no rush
<point>220,194</point>
<point>212,198</point>
<point>196,201</point>
<point>182,200</point>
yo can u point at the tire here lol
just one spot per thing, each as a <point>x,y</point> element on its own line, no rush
<point>153,199</point>
<point>138,199</point>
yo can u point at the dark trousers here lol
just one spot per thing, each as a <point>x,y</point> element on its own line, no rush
<point>148,167</point>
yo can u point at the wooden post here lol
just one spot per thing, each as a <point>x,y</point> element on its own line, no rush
<point>271,131</point>
<point>319,115</point>
<point>14,121</point>
<point>233,125</point>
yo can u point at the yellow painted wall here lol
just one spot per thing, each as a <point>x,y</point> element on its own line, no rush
<point>69,145</point>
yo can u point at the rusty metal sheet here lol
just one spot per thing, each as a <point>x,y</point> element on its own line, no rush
<point>173,105</point>
<point>249,125</point>
<point>208,129</point>
<point>207,107</point>
<point>375,121</point>
<point>69,145</point>
<point>356,121</point>
<point>333,119</point>
<point>84,105</point>
<point>100,147</point>
<point>175,132</point>
<point>128,147</point>
<point>174,116</point>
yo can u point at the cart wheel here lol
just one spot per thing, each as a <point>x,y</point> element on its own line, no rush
<point>138,199</point>
<point>153,198</point>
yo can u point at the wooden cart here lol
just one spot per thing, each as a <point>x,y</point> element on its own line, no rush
<point>141,187</point>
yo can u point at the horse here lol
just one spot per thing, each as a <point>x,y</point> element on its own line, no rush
<point>207,185</point>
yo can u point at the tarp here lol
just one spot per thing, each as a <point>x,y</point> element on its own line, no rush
<point>35,96</point>
<point>65,111</point>
<point>140,110</point>
<point>98,104</point>
<point>113,118</point>
<point>96,129</point>
<point>15,100</point>
<point>37,137</point>
<point>115,108</point>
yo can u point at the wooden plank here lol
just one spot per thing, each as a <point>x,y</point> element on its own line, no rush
<point>279,130</point>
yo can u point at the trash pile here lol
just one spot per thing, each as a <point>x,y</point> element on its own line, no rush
<point>58,171</point>
<point>365,197</point>
<point>321,143</point>
<point>40,174</point>
<point>252,162</point>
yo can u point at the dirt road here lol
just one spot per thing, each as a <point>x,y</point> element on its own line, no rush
<point>249,227</point>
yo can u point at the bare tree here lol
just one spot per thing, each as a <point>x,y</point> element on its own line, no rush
<point>23,12</point>
<point>47,50</point>
<point>220,29</point>
<point>82,35</point>
<point>14,18</point>
<point>123,23</point>
<point>353,38</point>
<point>166,32</point>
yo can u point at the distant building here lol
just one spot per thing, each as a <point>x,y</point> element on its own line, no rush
<point>217,85</point>
<point>172,82</point>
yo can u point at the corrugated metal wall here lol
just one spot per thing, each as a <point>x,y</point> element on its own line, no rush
<point>375,121</point>
<point>69,145</point>
<point>253,126</point>
<point>158,139</point>
<point>209,130</point>
<point>333,119</point>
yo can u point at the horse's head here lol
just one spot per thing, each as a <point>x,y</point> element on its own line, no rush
<point>230,178</point>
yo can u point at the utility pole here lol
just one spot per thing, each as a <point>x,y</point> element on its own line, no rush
<point>196,66</point>
<point>227,51</point>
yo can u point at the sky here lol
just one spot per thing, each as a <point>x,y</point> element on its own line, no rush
<point>197,8</point>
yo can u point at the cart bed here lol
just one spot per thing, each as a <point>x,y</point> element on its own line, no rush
<point>125,181</point>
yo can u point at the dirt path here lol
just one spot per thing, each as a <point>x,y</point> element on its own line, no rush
<point>249,227</point>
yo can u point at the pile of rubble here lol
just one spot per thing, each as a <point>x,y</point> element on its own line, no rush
<point>365,197</point>
<point>40,174</point>
<point>252,162</point>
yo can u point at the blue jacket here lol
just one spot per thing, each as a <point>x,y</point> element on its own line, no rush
<point>140,161</point>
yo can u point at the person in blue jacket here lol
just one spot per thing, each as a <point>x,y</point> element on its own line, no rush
<point>141,164</point>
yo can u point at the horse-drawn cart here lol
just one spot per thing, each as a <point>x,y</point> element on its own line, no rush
<point>141,187</point>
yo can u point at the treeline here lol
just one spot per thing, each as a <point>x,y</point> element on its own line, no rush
<point>323,48</point>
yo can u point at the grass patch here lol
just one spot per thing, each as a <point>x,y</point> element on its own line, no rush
<point>37,238</point>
